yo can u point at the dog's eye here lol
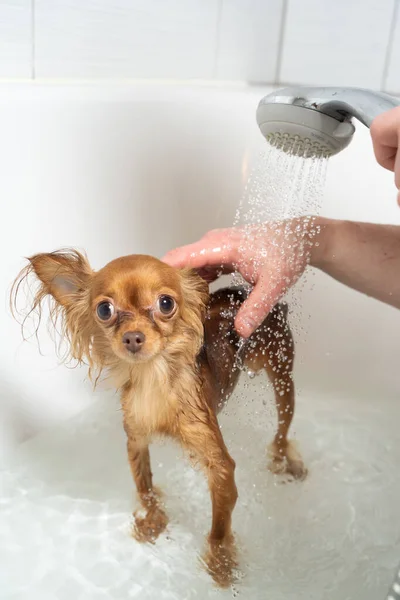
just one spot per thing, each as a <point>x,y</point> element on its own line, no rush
<point>166,304</point>
<point>105,311</point>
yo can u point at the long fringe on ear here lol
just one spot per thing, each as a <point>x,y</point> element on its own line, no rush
<point>71,320</point>
<point>196,295</point>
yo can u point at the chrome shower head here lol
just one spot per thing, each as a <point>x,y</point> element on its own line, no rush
<point>317,121</point>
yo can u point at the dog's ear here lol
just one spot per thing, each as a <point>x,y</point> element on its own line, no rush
<point>65,275</point>
<point>195,294</point>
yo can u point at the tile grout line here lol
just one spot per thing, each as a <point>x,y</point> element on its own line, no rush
<point>389,47</point>
<point>33,34</point>
<point>218,38</point>
<point>281,40</point>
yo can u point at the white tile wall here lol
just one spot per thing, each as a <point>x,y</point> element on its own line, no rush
<point>126,38</point>
<point>249,32</point>
<point>15,38</point>
<point>336,43</point>
<point>346,42</point>
<point>392,83</point>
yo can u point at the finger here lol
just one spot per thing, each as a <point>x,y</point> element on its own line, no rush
<point>397,171</point>
<point>385,128</point>
<point>258,305</point>
<point>197,256</point>
<point>212,250</point>
<point>180,257</point>
<point>385,156</point>
<point>385,131</point>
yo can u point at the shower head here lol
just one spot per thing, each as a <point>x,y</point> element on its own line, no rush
<point>312,121</point>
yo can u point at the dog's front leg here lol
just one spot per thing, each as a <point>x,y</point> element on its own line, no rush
<point>201,435</point>
<point>148,526</point>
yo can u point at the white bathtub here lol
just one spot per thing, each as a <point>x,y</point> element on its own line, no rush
<point>141,168</point>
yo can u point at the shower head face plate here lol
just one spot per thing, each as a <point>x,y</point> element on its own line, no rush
<point>303,131</point>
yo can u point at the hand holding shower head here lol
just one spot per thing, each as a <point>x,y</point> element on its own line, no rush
<point>317,120</point>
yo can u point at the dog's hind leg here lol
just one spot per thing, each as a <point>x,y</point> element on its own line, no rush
<point>274,352</point>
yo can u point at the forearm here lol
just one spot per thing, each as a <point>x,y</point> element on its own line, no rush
<point>363,256</point>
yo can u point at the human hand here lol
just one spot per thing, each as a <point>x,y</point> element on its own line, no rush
<point>271,257</point>
<point>385,133</point>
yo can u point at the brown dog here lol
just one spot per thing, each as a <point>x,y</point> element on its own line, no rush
<point>171,350</point>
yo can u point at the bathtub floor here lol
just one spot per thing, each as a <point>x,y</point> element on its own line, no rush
<point>66,501</point>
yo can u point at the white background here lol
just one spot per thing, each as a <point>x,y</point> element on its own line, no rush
<point>346,42</point>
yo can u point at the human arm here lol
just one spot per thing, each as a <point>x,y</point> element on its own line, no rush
<point>363,256</point>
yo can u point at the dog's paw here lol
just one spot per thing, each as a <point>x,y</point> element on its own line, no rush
<point>221,562</point>
<point>286,461</point>
<point>149,526</point>
<point>296,469</point>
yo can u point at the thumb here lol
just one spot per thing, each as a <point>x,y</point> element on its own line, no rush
<point>256,308</point>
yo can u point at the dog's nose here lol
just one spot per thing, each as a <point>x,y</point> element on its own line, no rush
<point>133,340</point>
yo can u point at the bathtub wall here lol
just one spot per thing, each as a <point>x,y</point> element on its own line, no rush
<point>346,42</point>
<point>113,170</point>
